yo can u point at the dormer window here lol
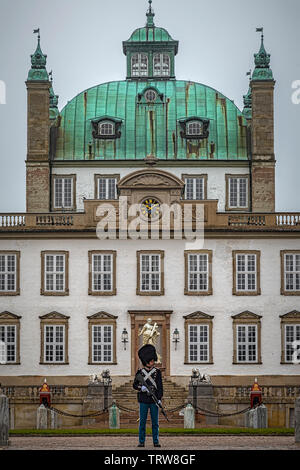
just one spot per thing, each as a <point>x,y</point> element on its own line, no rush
<point>194,128</point>
<point>161,65</point>
<point>139,65</point>
<point>106,128</point>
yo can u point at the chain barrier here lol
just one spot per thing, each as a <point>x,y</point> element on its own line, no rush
<point>64,413</point>
<point>220,415</point>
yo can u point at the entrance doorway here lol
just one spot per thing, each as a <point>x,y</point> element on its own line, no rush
<point>138,320</point>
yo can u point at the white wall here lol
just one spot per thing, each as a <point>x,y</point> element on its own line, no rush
<point>30,304</point>
<point>216,188</point>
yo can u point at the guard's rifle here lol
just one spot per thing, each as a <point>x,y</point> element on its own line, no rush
<point>142,380</point>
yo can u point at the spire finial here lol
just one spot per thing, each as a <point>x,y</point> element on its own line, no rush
<point>150,15</point>
<point>38,62</point>
<point>262,61</point>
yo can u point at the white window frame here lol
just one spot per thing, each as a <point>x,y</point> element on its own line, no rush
<point>108,128</point>
<point>102,272</point>
<point>194,186</point>
<point>288,344</point>
<point>161,72</point>
<point>60,199</point>
<point>198,272</point>
<point>238,194</point>
<point>102,343</point>
<point>5,343</point>
<point>55,273</point>
<point>6,273</point>
<point>55,343</point>
<point>191,128</point>
<point>246,273</point>
<point>294,274</point>
<point>152,274</point>
<point>247,344</point>
<point>107,191</point>
<point>140,71</point>
<point>199,346</point>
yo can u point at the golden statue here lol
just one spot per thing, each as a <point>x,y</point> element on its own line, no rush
<point>150,335</point>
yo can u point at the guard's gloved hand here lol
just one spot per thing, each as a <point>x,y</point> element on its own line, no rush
<point>144,389</point>
<point>159,402</point>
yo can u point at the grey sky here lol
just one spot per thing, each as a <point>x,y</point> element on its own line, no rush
<point>83,41</point>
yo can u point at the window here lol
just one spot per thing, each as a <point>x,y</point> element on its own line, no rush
<point>150,273</point>
<point>102,338</point>
<point>106,128</point>
<point>237,192</point>
<point>64,192</point>
<point>54,338</point>
<point>195,187</point>
<point>290,272</point>
<point>198,338</point>
<point>54,273</point>
<point>9,273</point>
<point>198,272</point>
<point>290,338</point>
<point>292,334</point>
<point>7,344</point>
<point>107,188</point>
<point>161,65</point>
<point>102,343</point>
<point>54,343</point>
<point>194,128</point>
<point>246,273</point>
<point>102,269</point>
<point>139,65</point>
<point>246,343</point>
<point>150,96</point>
<point>247,338</point>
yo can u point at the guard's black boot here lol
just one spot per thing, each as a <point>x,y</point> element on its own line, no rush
<point>157,444</point>
<point>141,444</point>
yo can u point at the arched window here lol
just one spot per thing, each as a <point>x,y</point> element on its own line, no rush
<point>194,128</point>
<point>106,128</point>
<point>150,96</point>
<point>161,65</point>
<point>139,65</point>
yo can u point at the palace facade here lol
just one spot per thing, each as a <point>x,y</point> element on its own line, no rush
<point>73,304</point>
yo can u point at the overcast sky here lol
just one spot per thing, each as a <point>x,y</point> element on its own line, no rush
<point>83,41</point>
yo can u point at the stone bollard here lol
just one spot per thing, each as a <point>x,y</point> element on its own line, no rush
<point>4,420</point>
<point>262,417</point>
<point>53,420</point>
<point>189,417</point>
<point>114,417</point>
<point>251,420</point>
<point>42,417</point>
<point>297,420</point>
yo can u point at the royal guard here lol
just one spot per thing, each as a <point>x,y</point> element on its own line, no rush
<point>148,382</point>
<point>45,394</point>
<point>255,395</point>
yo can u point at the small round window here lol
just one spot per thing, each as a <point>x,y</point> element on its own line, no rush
<point>150,96</point>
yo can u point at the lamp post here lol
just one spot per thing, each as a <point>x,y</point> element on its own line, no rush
<point>125,338</point>
<point>176,337</point>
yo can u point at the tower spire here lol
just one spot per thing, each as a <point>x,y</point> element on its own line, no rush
<point>247,111</point>
<point>38,62</point>
<point>262,61</point>
<point>53,100</point>
<point>150,15</point>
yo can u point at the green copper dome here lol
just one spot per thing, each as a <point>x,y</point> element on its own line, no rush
<point>155,127</point>
<point>150,34</point>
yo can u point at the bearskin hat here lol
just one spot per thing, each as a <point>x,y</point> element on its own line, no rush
<point>147,353</point>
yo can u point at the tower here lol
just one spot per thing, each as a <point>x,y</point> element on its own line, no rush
<point>262,132</point>
<point>38,123</point>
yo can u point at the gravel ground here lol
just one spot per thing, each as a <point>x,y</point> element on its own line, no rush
<point>167,443</point>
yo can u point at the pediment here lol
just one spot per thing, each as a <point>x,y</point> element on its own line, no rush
<point>247,315</point>
<point>150,179</point>
<point>9,316</point>
<point>294,315</point>
<point>102,316</point>
<point>198,316</point>
<point>54,316</point>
